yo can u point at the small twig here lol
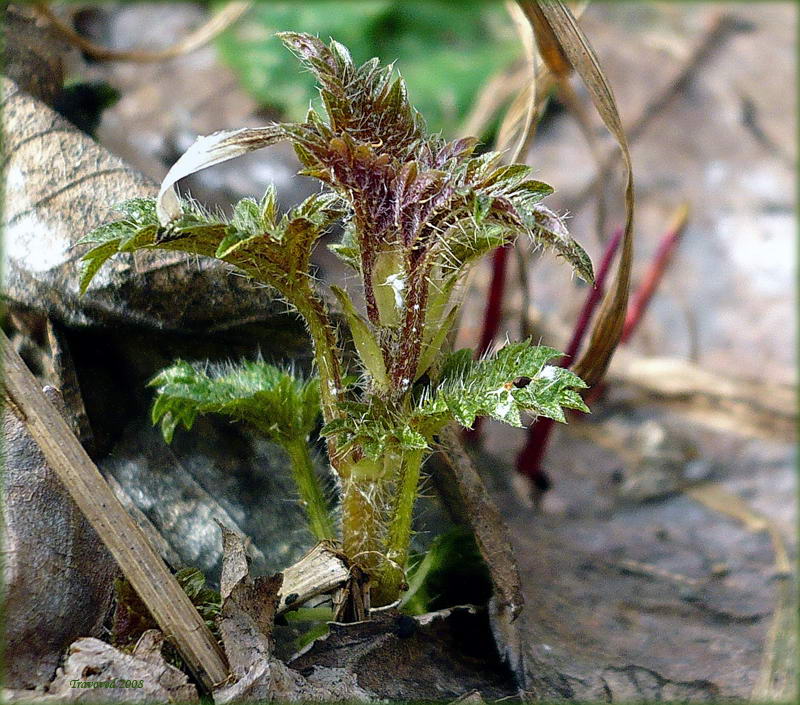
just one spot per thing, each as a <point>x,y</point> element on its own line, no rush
<point>193,41</point>
<point>655,272</point>
<point>529,459</point>
<point>141,565</point>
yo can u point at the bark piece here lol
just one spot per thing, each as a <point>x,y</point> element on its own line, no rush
<point>58,575</point>
<point>321,571</point>
<point>94,661</point>
<point>321,684</point>
<point>235,562</point>
<point>246,623</point>
<point>465,494</point>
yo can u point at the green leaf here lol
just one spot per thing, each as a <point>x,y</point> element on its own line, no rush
<point>247,217</point>
<point>140,211</point>
<point>142,237</point>
<point>452,572</point>
<point>269,398</point>
<point>548,229</point>
<point>516,379</point>
<point>471,244</point>
<point>483,204</point>
<point>347,249</point>
<point>268,207</point>
<point>208,602</point>
<point>110,232</point>
<point>434,346</point>
<point>93,260</point>
<point>230,242</point>
<point>277,254</point>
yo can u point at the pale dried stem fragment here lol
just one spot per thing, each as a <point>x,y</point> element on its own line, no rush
<point>321,571</point>
<point>193,41</point>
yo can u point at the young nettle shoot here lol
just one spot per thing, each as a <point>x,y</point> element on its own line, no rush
<point>417,212</point>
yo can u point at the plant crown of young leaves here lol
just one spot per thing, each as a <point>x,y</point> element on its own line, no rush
<point>417,211</point>
<point>401,188</point>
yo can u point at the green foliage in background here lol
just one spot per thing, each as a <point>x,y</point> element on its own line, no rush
<point>446,50</point>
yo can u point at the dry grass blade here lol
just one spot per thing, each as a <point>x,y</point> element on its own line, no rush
<point>516,125</point>
<point>777,680</point>
<point>496,92</point>
<point>560,40</point>
<point>719,28</point>
<point>141,565</point>
<point>549,46</point>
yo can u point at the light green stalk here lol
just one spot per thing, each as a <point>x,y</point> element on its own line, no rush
<point>391,577</point>
<point>323,337</point>
<point>310,490</point>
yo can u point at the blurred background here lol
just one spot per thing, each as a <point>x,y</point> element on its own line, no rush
<point>706,90</point>
<point>651,535</point>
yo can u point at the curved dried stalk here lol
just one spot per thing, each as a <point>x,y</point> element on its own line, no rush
<point>561,41</point>
<point>516,126</point>
<point>193,41</point>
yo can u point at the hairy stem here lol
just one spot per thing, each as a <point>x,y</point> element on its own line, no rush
<point>391,579</point>
<point>310,490</point>
<point>362,523</point>
<point>324,338</point>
